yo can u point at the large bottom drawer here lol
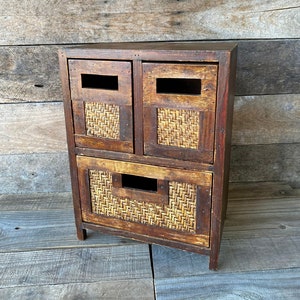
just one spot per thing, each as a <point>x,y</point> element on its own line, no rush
<point>154,201</point>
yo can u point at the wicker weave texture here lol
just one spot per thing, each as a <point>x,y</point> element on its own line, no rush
<point>179,128</point>
<point>179,214</point>
<point>102,120</point>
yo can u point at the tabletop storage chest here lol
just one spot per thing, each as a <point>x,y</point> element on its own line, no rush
<point>148,130</point>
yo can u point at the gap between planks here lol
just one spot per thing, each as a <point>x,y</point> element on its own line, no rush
<point>245,247</point>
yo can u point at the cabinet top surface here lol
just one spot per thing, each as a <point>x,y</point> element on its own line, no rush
<point>146,47</point>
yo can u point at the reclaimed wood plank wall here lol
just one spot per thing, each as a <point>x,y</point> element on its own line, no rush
<point>266,135</point>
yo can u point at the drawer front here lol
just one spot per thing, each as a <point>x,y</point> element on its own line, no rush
<point>179,103</point>
<point>101,93</point>
<point>164,202</point>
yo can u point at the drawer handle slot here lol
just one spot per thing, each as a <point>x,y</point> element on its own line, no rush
<point>140,188</point>
<point>138,182</point>
<point>103,82</point>
<point>185,86</point>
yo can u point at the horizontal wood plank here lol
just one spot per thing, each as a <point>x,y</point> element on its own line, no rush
<point>261,190</point>
<point>276,284</point>
<point>48,229</point>
<point>266,119</point>
<point>256,259</point>
<point>268,67</point>
<point>259,234</point>
<point>32,128</point>
<point>40,127</point>
<point>48,8</point>
<point>49,172</point>
<point>116,289</point>
<point>34,173</point>
<point>30,73</point>
<point>262,218</point>
<point>236,255</point>
<point>94,21</point>
<point>45,7</point>
<point>276,162</point>
<point>34,201</point>
<point>81,265</point>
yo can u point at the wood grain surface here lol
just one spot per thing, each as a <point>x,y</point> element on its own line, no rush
<point>259,252</point>
<point>30,73</point>
<point>273,162</point>
<point>33,173</point>
<point>38,230</point>
<point>49,172</point>
<point>270,119</point>
<point>268,66</point>
<point>40,127</point>
<point>81,265</point>
<point>117,289</point>
<point>32,128</point>
<point>94,21</point>
<point>275,284</point>
<point>259,259</point>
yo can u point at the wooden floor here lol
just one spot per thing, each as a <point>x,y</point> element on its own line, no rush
<point>42,259</point>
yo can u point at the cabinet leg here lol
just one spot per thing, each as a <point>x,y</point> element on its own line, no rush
<point>213,263</point>
<point>81,234</point>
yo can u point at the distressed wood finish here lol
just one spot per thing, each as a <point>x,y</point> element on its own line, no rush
<point>254,162</point>
<point>40,261</point>
<point>31,73</point>
<point>199,109</point>
<point>270,190</point>
<point>275,285</point>
<point>27,173</point>
<point>129,289</point>
<point>31,268</point>
<point>186,88</point>
<point>32,128</point>
<point>33,173</point>
<point>156,213</point>
<point>19,225</point>
<point>269,119</point>
<point>144,170</point>
<point>93,21</point>
<point>260,241</point>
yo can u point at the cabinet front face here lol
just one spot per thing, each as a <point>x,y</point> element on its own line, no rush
<point>168,203</point>
<point>179,103</point>
<point>101,94</point>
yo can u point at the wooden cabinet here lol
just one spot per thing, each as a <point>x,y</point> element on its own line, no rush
<point>148,129</point>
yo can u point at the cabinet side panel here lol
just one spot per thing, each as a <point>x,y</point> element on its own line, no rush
<point>64,73</point>
<point>222,151</point>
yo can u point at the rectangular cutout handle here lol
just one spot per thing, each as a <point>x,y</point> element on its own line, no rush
<point>140,188</point>
<point>103,82</point>
<point>185,86</point>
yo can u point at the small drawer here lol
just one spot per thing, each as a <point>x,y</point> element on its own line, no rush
<point>179,103</point>
<point>136,197</point>
<point>101,93</point>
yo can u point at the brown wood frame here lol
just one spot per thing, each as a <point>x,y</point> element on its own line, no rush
<point>164,175</point>
<point>222,54</point>
<point>121,97</point>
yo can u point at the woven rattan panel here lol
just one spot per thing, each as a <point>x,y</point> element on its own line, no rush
<point>102,120</point>
<point>178,128</point>
<point>179,214</point>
